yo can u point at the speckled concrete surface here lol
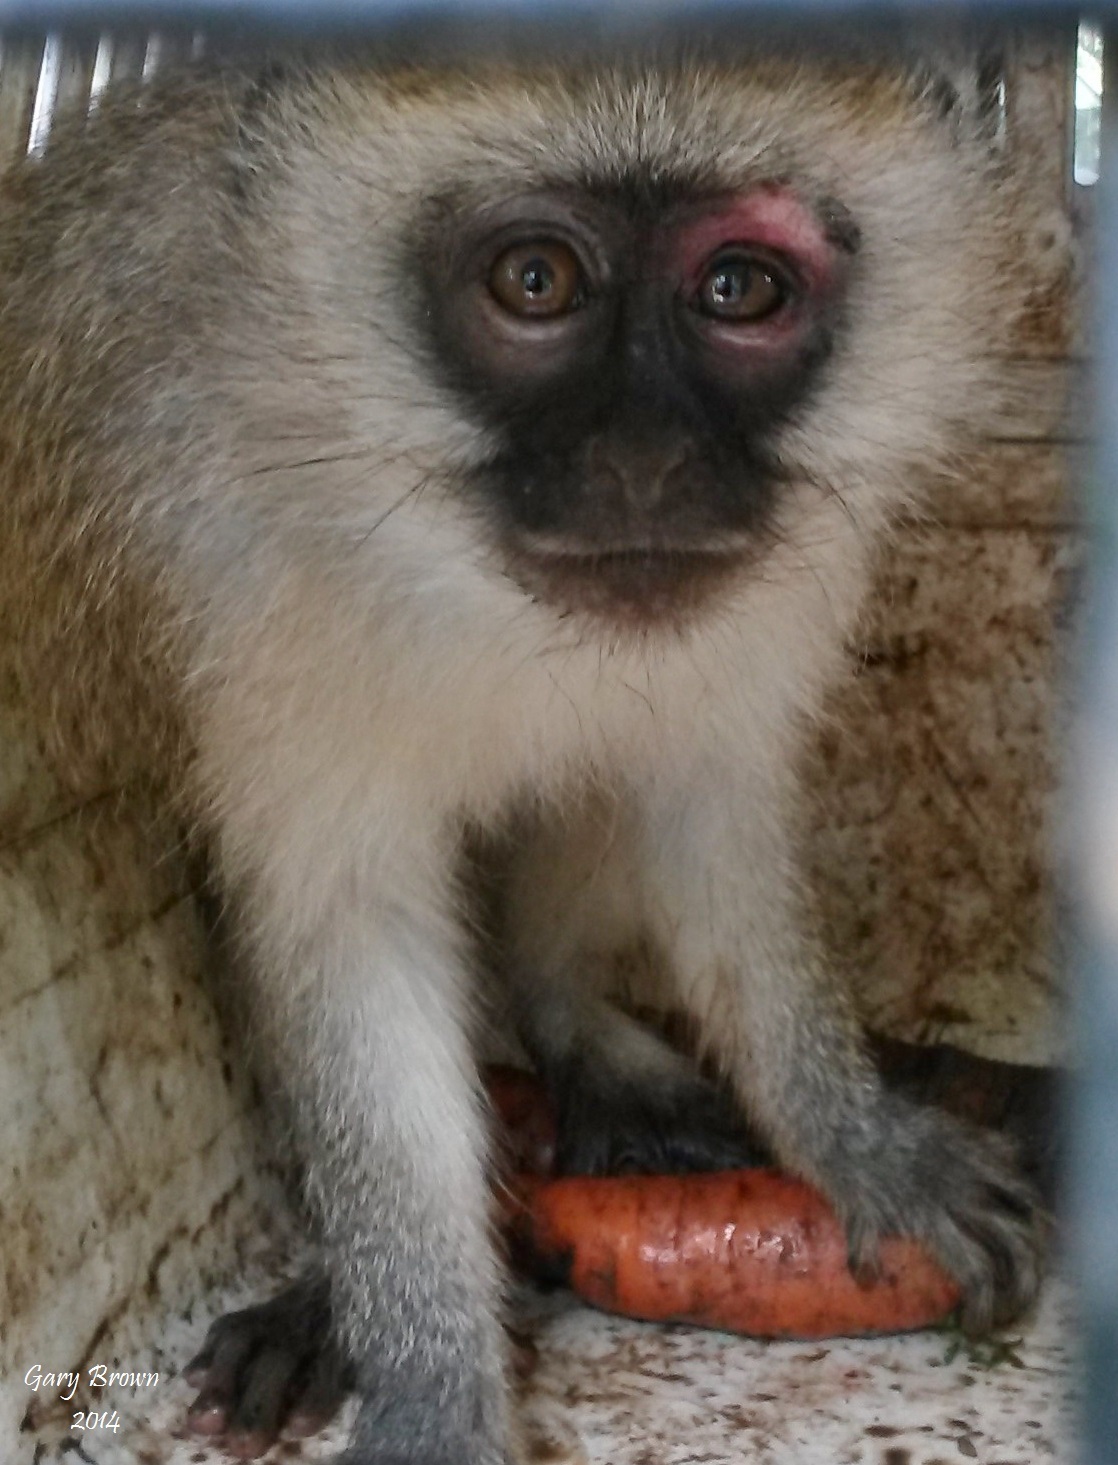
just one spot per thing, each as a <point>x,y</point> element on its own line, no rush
<point>604,1391</point>
<point>648,1396</point>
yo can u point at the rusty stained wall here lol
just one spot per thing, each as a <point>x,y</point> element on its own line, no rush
<point>124,1166</point>
<point>128,1174</point>
<point>931,851</point>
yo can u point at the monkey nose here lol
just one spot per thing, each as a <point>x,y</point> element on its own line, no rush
<point>636,474</point>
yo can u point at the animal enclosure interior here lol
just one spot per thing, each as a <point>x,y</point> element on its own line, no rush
<point>136,1201</point>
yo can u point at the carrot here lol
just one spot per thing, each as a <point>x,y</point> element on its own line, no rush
<point>746,1251</point>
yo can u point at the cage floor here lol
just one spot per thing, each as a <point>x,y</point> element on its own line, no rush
<point>604,1391</point>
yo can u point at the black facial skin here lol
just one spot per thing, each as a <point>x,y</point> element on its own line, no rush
<point>636,415</point>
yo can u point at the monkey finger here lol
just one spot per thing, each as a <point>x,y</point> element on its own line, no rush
<point>261,1403</point>
<point>198,1368</point>
<point>197,1371</point>
<point>320,1397</point>
<point>628,1129</point>
<point>247,1446</point>
<point>210,1411</point>
<point>863,1252</point>
<point>217,1339</point>
<point>1006,1273</point>
<point>728,1149</point>
<point>307,1422</point>
<point>864,1231</point>
<point>206,1418</point>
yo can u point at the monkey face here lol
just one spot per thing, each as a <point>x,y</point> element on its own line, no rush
<point>633,352</point>
<point>637,345</point>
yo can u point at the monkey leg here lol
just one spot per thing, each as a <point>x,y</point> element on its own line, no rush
<point>360,1017</point>
<point>625,1099</point>
<point>722,882</point>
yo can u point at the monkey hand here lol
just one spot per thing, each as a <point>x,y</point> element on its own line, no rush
<point>957,1189</point>
<point>267,1368</point>
<point>277,1367</point>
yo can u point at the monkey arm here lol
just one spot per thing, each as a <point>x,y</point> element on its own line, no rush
<point>723,882</point>
<point>356,975</point>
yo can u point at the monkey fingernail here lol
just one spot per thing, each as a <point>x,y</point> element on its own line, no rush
<point>206,1416</point>
<point>248,1446</point>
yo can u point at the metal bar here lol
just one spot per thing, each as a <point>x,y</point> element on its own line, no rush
<point>324,16</point>
<point>20,66</point>
<point>46,94</point>
<point>1093,1208</point>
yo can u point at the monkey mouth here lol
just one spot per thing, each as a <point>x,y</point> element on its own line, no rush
<point>632,588</point>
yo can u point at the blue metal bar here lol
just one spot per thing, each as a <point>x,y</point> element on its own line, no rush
<point>324,16</point>
<point>1093,1204</point>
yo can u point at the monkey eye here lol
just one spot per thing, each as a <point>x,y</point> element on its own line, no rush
<point>739,287</point>
<point>543,278</point>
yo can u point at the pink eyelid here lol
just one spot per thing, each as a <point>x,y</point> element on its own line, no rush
<point>771,220</point>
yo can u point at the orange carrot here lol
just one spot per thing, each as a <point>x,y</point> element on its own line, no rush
<point>746,1251</point>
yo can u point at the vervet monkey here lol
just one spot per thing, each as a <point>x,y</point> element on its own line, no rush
<point>392,457</point>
